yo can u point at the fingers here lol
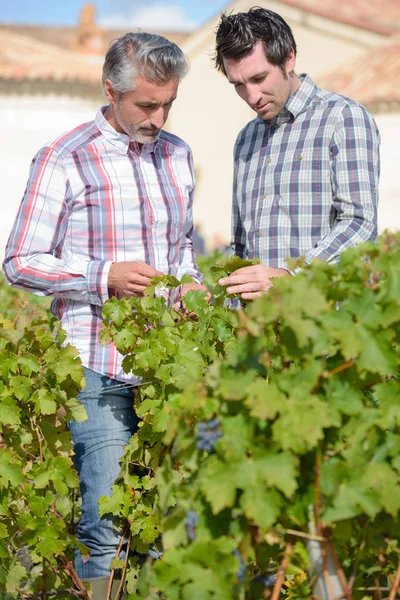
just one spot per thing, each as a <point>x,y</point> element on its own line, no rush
<point>130,278</point>
<point>242,275</point>
<point>143,269</point>
<point>252,296</point>
<point>255,286</point>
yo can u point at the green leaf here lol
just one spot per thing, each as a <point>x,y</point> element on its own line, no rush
<point>10,412</point>
<point>218,483</point>
<point>125,340</point>
<point>279,471</point>
<point>195,301</point>
<point>14,577</point>
<point>264,399</point>
<point>386,483</point>
<point>45,402</point>
<point>117,310</point>
<point>29,364</point>
<point>77,410</point>
<point>10,472</point>
<point>377,354</point>
<point>234,385</point>
<point>352,499</point>
<point>302,424</point>
<point>235,262</point>
<point>50,543</point>
<point>260,505</point>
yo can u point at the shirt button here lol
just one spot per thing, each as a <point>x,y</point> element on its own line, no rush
<point>269,161</point>
<point>276,126</point>
<point>259,234</point>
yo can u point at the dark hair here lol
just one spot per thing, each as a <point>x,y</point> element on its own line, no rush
<point>238,34</point>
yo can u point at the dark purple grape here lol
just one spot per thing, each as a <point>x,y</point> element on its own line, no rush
<point>242,569</point>
<point>191,521</point>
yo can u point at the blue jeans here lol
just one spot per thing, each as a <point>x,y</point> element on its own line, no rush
<point>99,444</point>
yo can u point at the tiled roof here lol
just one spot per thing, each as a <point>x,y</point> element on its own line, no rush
<point>373,79</point>
<point>380,16</point>
<point>65,36</point>
<point>22,57</point>
<point>42,60</point>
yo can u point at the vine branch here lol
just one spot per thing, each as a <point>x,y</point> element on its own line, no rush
<point>281,572</point>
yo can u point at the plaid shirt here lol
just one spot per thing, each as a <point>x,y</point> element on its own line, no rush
<point>306,182</point>
<point>93,198</point>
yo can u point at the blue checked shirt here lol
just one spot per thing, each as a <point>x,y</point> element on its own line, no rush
<point>306,183</point>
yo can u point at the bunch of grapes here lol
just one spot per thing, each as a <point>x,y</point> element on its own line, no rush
<point>208,434</point>
<point>242,569</point>
<point>155,553</point>
<point>267,581</point>
<point>191,521</point>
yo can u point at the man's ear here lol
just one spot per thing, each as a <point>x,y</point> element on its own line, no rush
<point>109,91</point>
<point>291,62</point>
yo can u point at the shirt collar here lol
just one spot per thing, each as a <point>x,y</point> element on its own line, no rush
<point>302,97</point>
<point>298,102</point>
<point>121,140</point>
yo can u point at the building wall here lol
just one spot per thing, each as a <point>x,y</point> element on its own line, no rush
<point>26,124</point>
<point>389,188</point>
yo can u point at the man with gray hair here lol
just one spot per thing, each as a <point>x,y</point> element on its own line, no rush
<point>107,207</point>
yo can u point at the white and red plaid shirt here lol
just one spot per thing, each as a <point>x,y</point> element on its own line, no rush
<point>93,198</point>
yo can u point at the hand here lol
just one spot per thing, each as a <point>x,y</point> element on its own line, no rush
<point>252,282</point>
<point>130,278</point>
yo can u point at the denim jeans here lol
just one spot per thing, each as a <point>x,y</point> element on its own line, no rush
<point>99,444</point>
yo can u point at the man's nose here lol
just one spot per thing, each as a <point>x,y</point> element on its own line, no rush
<point>253,95</point>
<point>158,117</point>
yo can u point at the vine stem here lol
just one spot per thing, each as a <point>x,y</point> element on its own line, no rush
<point>50,593</point>
<point>23,307</point>
<point>69,569</point>
<point>342,578</point>
<point>317,484</point>
<point>308,536</point>
<point>396,583</point>
<point>44,578</point>
<point>347,365</point>
<point>378,589</point>
<point>356,563</point>
<point>281,573</point>
<point>125,566</point>
<point>325,572</point>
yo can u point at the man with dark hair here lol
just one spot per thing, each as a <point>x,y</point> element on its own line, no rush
<point>306,169</point>
<point>108,206</point>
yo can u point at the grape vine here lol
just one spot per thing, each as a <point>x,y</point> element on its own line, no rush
<point>268,440</point>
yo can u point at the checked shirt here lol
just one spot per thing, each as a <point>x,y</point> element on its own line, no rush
<point>93,198</point>
<point>306,182</point>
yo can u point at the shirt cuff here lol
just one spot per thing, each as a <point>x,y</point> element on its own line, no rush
<point>97,281</point>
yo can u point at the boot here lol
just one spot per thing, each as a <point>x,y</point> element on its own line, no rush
<point>100,587</point>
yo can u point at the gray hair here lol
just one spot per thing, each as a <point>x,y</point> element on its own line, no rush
<point>152,56</point>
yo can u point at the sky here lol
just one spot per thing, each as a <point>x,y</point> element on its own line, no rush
<point>183,15</point>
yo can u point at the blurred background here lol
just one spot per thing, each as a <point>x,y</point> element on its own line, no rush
<point>51,56</point>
